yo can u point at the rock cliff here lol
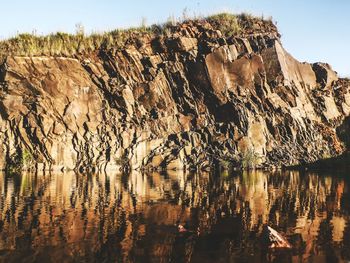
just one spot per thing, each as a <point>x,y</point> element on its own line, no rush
<point>187,99</point>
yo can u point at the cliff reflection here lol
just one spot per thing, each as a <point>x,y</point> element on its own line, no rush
<point>132,218</point>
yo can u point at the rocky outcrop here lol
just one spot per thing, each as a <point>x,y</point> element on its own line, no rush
<point>185,100</point>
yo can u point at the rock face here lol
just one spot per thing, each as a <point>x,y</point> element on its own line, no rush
<point>182,101</point>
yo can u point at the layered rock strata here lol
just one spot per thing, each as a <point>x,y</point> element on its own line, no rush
<point>185,100</point>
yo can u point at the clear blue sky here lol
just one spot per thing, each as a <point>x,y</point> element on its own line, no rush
<point>312,30</point>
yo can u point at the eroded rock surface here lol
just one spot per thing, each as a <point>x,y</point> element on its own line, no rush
<point>182,101</point>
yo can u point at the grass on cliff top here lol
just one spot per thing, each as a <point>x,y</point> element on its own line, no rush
<point>227,23</point>
<point>71,45</point>
<point>64,44</point>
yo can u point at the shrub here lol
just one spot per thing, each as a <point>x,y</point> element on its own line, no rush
<point>27,160</point>
<point>249,159</point>
<point>20,160</point>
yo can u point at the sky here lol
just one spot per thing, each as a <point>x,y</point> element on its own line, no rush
<point>312,30</point>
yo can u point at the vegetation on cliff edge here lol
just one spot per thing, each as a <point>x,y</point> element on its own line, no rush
<point>71,45</point>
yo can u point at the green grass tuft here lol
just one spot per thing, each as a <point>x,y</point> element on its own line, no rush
<point>227,23</point>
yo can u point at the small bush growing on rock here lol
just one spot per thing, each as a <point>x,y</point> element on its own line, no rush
<point>27,160</point>
<point>249,159</point>
<point>20,160</point>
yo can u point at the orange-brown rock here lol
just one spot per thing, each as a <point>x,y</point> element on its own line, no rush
<point>184,101</point>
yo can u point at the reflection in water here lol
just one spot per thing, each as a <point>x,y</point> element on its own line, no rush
<point>132,218</point>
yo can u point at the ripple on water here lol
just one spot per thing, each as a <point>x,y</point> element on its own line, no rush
<point>133,218</point>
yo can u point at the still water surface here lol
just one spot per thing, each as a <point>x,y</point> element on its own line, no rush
<point>133,218</point>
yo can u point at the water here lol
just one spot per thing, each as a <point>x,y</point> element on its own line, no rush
<point>133,218</point>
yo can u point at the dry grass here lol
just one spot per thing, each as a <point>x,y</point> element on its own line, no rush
<point>70,45</point>
<point>63,44</point>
